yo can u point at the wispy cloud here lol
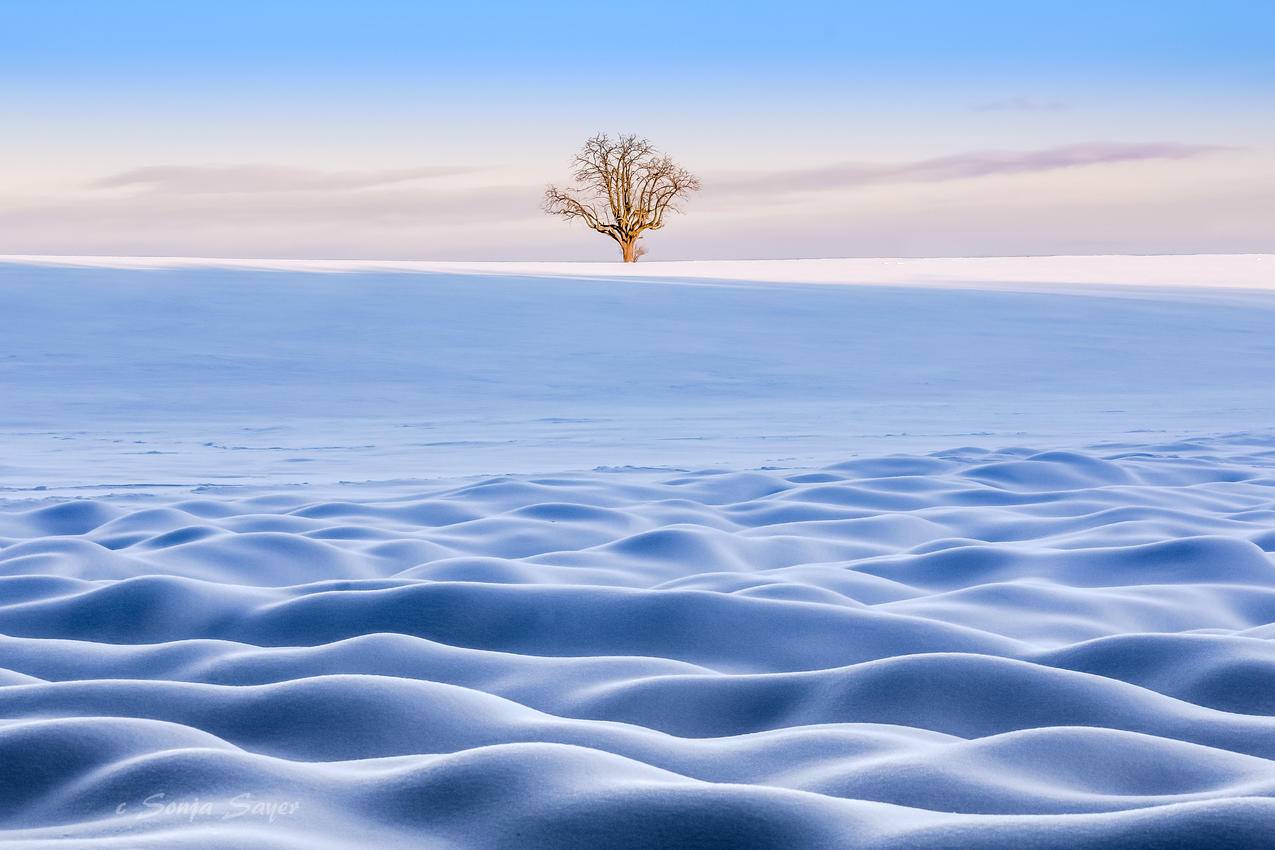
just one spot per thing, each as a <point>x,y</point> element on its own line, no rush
<point>957,167</point>
<point>251,179</point>
<point>1021,104</point>
<point>413,205</point>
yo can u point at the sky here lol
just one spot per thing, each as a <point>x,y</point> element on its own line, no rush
<point>400,130</point>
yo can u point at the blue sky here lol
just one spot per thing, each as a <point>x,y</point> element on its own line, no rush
<point>410,129</point>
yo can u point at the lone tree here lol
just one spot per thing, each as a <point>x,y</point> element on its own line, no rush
<point>624,187</point>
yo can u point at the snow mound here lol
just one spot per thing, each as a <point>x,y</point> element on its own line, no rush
<point>974,648</point>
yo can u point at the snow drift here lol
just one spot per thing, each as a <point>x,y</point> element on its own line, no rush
<point>963,648</point>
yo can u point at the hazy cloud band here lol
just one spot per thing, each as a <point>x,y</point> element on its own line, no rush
<point>958,167</point>
<point>251,179</point>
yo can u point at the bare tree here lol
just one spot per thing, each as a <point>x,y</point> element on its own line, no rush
<point>624,187</point>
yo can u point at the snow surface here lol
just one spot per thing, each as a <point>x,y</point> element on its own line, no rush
<point>782,611</point>
<point>1228,271</point>
<point>210,373</point>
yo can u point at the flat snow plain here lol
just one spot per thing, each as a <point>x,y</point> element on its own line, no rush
<point>934,553</point>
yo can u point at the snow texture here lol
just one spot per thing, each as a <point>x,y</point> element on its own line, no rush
<point>1057,634</point>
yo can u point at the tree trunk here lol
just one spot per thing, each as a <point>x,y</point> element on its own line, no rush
<point>630,254</point>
